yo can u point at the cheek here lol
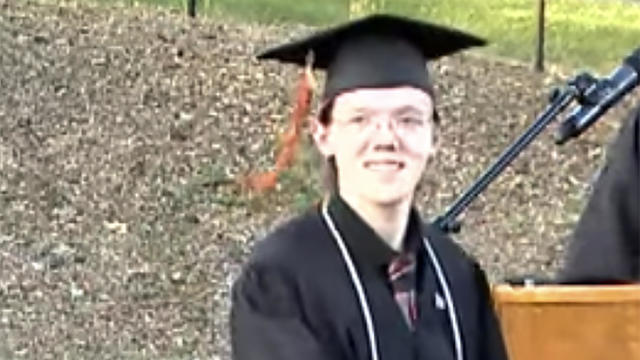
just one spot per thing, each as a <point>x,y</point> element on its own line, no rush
<point>349,146</point>
<point>420,147</point>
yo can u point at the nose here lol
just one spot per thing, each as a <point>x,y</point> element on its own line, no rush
<point>386,135</point>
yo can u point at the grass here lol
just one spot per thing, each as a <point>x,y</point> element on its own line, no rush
<point>585,34</point>
<point>593,34</point>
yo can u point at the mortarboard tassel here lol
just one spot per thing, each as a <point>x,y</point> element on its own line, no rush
<point>290,139</point>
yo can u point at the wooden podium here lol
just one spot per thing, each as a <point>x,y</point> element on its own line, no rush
<point>566,322</point>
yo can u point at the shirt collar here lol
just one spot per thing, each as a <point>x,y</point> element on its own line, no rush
<point>366,246</point>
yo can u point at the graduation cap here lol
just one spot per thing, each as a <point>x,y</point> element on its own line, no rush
<point>378,51</point>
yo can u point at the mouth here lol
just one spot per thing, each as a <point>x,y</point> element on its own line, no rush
<point>384,165</point>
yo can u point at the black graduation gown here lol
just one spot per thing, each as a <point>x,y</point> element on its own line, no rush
<point>295,300</point>
<point>605,247</point>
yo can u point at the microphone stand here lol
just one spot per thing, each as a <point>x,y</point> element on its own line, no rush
<point>559,100</point>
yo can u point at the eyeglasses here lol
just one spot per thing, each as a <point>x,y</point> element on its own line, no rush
<point>400,122</point>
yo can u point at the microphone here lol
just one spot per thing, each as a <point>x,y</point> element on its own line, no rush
<point>599,96</point>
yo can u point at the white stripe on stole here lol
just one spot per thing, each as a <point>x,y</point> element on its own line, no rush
<point>362,297</point>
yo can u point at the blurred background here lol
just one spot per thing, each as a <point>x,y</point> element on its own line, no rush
<point>125,125</point>
<point>591,33</point>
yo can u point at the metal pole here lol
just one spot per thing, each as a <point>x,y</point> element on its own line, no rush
<point>448,222</point>
<point>539,65</point>
<point>191,8</point>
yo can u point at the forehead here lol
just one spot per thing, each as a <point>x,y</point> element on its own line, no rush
<point>383,99</point>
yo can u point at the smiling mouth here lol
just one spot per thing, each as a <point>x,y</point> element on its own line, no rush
<point>384,165</point>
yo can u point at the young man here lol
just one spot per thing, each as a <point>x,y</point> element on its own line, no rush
<point>362,277</point>
<point>606,243</point>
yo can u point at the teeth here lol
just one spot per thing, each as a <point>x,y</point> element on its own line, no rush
<point>384,166</point>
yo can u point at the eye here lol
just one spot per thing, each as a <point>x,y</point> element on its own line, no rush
<point>357,119</point>
<point>411,120</point>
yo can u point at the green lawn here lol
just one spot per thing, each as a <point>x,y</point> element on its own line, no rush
<point>593,34</point>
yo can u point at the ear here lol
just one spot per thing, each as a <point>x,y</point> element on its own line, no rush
<point>435,146</point>
<point>435,141</point>
<point>320,133</point>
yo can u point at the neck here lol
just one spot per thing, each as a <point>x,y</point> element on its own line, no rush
<point>389,221</point>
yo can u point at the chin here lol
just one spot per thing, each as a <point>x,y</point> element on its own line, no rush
<point>387,198</point>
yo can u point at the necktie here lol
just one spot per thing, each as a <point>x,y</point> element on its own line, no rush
<point>402,275</point>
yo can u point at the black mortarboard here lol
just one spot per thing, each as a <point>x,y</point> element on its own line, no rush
<point>375,51</point>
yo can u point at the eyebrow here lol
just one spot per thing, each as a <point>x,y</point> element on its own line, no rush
<point>410,108</point>
<point>360,110</point>
<point>363,110</point>
<point>404,108</point>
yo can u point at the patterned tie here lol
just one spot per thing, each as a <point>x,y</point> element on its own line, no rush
<point>402,274</point>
